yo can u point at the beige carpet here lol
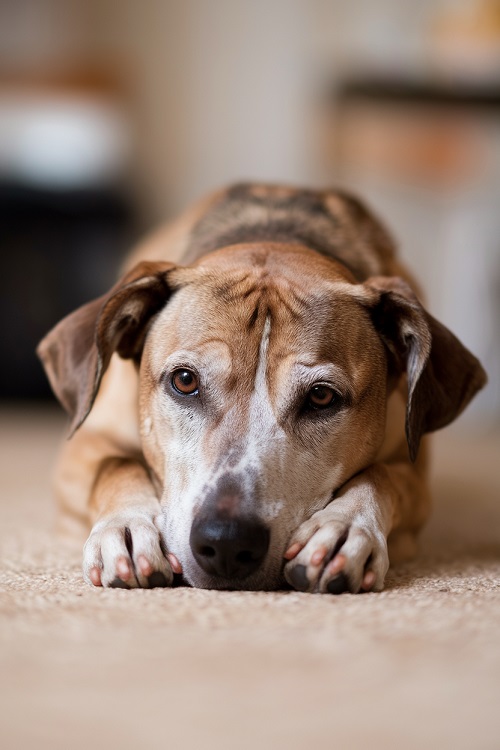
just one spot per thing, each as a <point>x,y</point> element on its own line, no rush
<point>417,666</point>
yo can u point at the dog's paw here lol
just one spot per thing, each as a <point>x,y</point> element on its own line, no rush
<point>329,554</point>
<point>125,551</point>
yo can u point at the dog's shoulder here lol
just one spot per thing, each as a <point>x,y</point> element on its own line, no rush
<point>332,222</point>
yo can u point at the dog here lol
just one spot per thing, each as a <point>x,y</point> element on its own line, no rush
<point>248,403</point>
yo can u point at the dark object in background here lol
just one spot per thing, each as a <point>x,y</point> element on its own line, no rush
<point>58,250</point>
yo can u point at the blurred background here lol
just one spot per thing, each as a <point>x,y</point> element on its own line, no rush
<point>116,114</point>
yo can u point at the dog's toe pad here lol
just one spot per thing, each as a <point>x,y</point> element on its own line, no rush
<point>298,578</point>
<point>338,585</point>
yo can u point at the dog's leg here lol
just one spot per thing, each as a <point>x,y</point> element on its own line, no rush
<point>344,546</point>
<point>124,548</point>
<point>101,478</point>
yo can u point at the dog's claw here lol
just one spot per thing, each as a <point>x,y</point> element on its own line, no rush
<point>292,551</point>
<point>144,566</point>
<point>123,569</point>
<point>95,576</point>
<point>174,563</point>
<point>368,581</point>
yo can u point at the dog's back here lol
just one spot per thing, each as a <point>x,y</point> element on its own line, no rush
<point>332,222</point>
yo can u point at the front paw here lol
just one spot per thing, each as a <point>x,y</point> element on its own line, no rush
<point>125,551</point>
<point>331,554</point>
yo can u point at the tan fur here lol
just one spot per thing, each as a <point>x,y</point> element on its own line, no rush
<point>258,318</point>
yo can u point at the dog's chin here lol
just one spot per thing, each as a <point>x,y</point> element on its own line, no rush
<point>194,576</point>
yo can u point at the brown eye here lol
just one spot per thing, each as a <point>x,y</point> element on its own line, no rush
<point>320,397</point>
<point>185,382</point>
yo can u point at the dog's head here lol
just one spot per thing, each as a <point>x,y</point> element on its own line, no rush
<point>264,376</point>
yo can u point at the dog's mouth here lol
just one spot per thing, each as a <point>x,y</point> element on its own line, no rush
<point>258,582</point>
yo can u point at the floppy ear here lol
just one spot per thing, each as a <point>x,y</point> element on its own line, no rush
<point>443,376</point>
<point>77,351</point>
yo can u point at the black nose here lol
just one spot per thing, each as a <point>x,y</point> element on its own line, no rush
<point>229,547</point>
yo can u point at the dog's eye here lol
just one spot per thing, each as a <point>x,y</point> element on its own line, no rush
<point>320,397</point>
<point>185,382</point>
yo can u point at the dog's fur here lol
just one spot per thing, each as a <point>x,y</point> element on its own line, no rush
<point>279,290</point>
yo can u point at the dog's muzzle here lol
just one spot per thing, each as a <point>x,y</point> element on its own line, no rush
<point>229,547</point>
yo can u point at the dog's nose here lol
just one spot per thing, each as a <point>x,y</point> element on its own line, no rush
<point>229,547</point>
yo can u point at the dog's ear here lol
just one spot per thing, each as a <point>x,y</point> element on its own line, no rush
<point>77,351</point>
<point>443,376</point>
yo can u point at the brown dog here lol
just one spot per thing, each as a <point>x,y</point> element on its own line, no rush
<point>255,414</point>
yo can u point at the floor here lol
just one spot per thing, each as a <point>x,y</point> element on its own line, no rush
<point>417,666</point>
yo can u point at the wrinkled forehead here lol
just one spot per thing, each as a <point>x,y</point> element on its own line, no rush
<point>219,312</point>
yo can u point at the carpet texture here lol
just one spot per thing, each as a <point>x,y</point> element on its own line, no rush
<point>417,666</point>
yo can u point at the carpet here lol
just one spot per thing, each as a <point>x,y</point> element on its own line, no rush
<point>415,666</point>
